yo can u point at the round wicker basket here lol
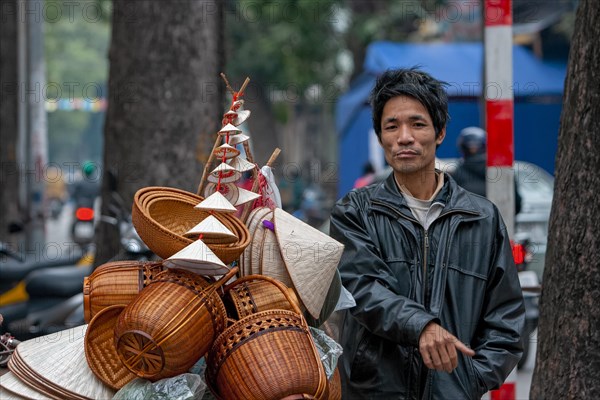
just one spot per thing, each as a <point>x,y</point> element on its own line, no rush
<point>255,293</point>
<point>266,355</point>
<point>170,324</point>
<point>116,283</point>
<point>163,215</point>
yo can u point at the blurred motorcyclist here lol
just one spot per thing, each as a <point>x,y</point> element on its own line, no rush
<point>471,172</point>
<point>86,189</point>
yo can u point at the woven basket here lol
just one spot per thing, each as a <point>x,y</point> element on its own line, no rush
<point>116,283</point>
<point>255,293</point>
<point>100,351</point>
<point>334,384</point>
<point>171,324</point>
<point>266,355</point>
<point>162,216</point>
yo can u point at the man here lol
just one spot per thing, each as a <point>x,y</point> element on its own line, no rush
<point>471,172</point>
<point>438,303</point>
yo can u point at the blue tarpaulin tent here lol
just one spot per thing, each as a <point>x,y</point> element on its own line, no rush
<point>538,88</point>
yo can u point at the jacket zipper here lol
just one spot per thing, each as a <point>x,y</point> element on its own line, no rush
<point>425,253</point>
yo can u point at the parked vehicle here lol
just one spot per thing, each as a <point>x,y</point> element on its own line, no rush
<point>53,298</point>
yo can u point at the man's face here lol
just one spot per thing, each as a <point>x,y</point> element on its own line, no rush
<point>408,136</point>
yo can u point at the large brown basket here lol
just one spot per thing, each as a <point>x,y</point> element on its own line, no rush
<point>266,355</point>
<point>163,215</point>
<point>255,293</point>
<point>116,283</point>
<point>171,324</point>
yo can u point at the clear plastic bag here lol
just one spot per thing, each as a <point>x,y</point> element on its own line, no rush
<point>329,350</point>
<point>180,387</point>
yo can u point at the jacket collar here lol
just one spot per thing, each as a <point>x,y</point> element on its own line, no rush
<point>455,198</point>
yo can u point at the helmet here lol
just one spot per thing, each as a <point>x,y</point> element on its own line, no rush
<point>88,169</point>
<point>471,141</point>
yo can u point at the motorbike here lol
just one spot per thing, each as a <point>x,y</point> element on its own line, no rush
<point>54,298</point>
<point>530,285</point>
<point>82,228</point>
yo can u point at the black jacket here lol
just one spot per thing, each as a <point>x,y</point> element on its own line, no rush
<point>472,290</point>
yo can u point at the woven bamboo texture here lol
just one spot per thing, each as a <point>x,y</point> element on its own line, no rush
<point>334,385</point>
<point>266,355</point>
<point>100,350</point>
<point>256,293</point>
<point>116,283</point>
<point>163,215</point>
<point>171,324</point>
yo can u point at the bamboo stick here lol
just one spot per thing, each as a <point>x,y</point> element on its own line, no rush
<point>269,163</point>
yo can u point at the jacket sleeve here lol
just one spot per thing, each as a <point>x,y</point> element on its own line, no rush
<point>380,309</point>
<point>498,343</point>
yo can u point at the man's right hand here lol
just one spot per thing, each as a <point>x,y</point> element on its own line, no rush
<point>438,348</point>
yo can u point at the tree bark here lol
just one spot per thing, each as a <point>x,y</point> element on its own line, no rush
<point>568,358</point>
<point>9,103</point>
<point>166,99</point>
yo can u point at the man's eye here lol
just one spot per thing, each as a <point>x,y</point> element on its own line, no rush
<point>390,127</point>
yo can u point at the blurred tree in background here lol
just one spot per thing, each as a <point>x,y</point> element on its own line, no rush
<point>166,100</point>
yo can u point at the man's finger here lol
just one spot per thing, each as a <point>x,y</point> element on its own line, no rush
<point>460,346</point>
<point>451,350</point>
<point>435,360</point>
<point>445,359</point>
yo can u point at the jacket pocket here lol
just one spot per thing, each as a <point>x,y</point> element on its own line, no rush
<point>478,388</point>
<point>364,364</point>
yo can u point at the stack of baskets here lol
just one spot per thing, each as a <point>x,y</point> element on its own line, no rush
<point>163,215</point>
<point>268,353</point>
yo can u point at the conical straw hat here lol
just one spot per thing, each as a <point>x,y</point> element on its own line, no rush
<point>311,258</point>
<point>216,202</point>
<point>60,363</point>
<point>225,172</point>
<point>13,388</point>
<point>245,196</point>
<point>242,116</point>
<point>241,164</point>
<point>237,104</point>
<point>271,263</point>
<point>237,139</point>
<point>198,258</point>
<point>210,227</point>
<point>229,190</point>
<point>228,150</point>
<point>229,129</point>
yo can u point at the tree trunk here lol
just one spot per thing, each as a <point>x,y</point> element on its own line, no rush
<point>568,358</point>
<point>9,102</point>
<point>166,99</point>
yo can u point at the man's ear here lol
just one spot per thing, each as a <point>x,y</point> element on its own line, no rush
<point>441,137</point>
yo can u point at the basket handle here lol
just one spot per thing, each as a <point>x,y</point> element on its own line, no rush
<point>284,289</point>
<point>232,272</point>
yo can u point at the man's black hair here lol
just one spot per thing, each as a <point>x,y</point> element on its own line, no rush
<point>413,83</point>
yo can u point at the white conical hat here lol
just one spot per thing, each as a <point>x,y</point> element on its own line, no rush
<point>311,258</point>
<point>228,150</point>
<point>59,362</point>
<point>225,172</point>
<point>237,139</point>
<point>241,164</point>
<point>197,257</point>
<point>245,196</point>
<point>237,104</point>
<point>210,227</point>
<point>242,116</point>
<point>12,387</point>
<point>216,202</point>
<point>229,190</point>
<point>229,129</point>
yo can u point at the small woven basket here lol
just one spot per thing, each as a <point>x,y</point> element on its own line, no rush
<point>163,215</point>
<point>116,283</point>
<point>171,324</point>
<point>255,293</point>
<point>266,355</point>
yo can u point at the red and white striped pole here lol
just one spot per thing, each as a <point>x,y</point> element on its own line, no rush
<point>499,106</point>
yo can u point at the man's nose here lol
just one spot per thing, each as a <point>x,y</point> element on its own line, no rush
<point>405,135</point>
